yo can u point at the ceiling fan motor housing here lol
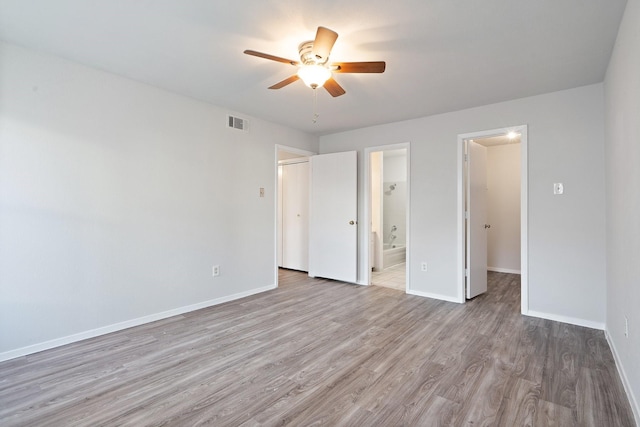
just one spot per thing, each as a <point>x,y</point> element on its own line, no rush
<point>308,57</point>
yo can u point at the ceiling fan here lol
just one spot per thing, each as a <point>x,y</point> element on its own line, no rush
<point>314,68</point>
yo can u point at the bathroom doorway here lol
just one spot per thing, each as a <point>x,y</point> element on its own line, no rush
<point>388,208</point>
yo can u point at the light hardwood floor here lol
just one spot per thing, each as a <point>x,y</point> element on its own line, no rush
<point>392,277</point>
<point>316,352</point>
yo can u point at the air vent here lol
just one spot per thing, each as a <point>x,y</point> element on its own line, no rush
<point>237,123</point>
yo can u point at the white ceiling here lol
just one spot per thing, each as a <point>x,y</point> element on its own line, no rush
<point>442,55</point>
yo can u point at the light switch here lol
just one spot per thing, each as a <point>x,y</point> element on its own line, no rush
<point>558,188</point>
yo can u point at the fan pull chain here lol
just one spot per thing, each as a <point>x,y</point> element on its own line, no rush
<point>315,106</point>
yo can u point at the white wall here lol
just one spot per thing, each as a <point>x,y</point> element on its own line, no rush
<point>395,165</point>
<point>622,95</point>
<point>376,259</point>
<point>395,201</point>
<point>503,193</point>
<point>117,198</point>
<point>566,240</point>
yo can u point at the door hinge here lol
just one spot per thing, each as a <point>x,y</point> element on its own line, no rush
<point>466,157</point>
<point>466,214</point>
<point>466,272</point>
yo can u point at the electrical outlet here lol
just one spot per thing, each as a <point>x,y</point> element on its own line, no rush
<point>423,266</point>
<point>558,188</point>
<point>626,327</point>
<point>216,270</point>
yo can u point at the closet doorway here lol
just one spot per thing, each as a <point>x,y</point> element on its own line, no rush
<point>292,209</point>
<point>492,200</point>
<point>316,213</point>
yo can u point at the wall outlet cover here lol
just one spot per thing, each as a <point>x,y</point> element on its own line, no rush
<point>558,188</point>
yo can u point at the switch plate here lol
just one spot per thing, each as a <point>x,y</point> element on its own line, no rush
<point>626,327</point>
<point>558,188</point>
<point>261,191</point>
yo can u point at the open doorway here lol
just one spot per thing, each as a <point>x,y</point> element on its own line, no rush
<point>387,202</point>
<point>493,208</point>
<point>316,214</point>
<point>292,209</point>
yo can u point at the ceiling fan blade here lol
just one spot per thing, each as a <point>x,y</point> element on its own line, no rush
<point>322,45</point>
<point>271,57</point>
<point>285,82</point>
<point>333,87</point>
<point>359,67</point>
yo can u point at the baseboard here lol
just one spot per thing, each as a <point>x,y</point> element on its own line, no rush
<point>633,402</point>
<point>503,270</point>
<point>35,348</point>
<point>566,319</point>
<point>433,296</point>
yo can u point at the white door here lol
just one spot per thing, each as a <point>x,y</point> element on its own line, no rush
<point>333,231</point>
<point>295,216</point>
<point>477,219</point>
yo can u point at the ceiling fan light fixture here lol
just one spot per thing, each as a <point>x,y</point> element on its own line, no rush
<point>314,68</point>
<point>314,76</point>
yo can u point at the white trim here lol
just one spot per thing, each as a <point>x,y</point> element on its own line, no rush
<point>524,211</point>
<point>566,319</point>
<point>503,270</point>
<point>293,150</point>
<point>276,229</point>
<point>633,402</point>
<point>12,354</point>
<point>407,270</point>
<point>434,296</point>
<point>293,161</point>
<point>524,218</point>
<point>462,269</point>
<point>367,211</point>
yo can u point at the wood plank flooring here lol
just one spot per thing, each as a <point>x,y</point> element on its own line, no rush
<point>320,352</point>
<point>393,277</point>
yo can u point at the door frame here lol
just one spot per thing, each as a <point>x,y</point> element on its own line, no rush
<point>365,278</point>
<point>276,224</point>
<point>524,212</point>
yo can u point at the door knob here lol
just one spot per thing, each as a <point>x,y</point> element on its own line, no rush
<point>487,226</point>
<point>351,222</point>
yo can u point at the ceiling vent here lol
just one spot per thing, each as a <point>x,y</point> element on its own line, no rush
<point>237,123</point>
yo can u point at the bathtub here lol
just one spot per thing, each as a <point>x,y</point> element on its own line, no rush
<point>393,255</point>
